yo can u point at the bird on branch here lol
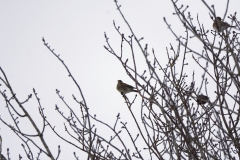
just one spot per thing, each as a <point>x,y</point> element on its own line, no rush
<point>219,25</point>
<point>124,88</point>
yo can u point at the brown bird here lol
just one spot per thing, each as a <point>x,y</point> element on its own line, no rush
<point>124,88</point>
<point>219,25</point>
<point>201,99</point>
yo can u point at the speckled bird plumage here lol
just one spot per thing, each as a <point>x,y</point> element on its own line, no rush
<point>124,88</point>
<point>219,25</point>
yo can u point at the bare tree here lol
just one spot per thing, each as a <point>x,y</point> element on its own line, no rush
<point>180,117</point>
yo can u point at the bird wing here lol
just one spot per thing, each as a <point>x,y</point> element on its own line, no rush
<point>127,85</point>
<point>225,24</point>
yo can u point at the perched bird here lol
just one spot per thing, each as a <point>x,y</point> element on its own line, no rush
<point>201,99</point>
<point>219,25</point>
<point>124,88</point>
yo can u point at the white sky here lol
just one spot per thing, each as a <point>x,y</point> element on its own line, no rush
<point>75,29</point>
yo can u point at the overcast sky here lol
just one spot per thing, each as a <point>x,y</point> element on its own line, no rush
<point>75,29</point>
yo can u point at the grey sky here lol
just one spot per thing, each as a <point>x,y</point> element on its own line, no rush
<point>75,29</point>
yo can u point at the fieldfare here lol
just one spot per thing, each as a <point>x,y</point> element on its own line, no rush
<point>219,25</point>
<point>124,88</point>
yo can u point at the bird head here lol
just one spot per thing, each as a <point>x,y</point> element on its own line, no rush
<point>119,81</point>
<point>219,18</point>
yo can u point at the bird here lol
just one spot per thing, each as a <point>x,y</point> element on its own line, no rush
<point>124,88</point>
<point>219,25</point>
<point>202,99</point>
